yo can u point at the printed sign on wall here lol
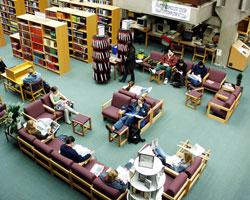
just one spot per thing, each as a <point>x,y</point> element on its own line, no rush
<point>171,10</point>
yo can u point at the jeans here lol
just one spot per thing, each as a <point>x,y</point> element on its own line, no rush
<point>125,120</point>
<point>166,68</point>
<point>161,154</point>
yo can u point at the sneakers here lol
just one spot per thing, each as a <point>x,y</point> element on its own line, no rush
<point>153,71</point>
<point>166,81</point>
<point>109,128</point>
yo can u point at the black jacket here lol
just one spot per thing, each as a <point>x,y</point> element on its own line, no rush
<point>130,61</point>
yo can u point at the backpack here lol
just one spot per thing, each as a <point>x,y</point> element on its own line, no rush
<point>134,135</point>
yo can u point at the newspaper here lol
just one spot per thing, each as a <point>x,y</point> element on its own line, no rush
<point>82,151</point>
<point>173,160</point>
<point>97,169</point>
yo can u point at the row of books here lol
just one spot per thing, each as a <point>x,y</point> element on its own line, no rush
<point>122,47</point>
<point>101,55</point>
<point>100,43</point>
<point>50,43</point>
<point>104,12</point>
<point>9,3</point>
<point>107,2</point>
<point>80,55</point>
<point>124,36</point>
<point>78,19</point>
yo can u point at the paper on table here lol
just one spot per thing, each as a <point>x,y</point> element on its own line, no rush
<point>138,61</point>
<point>197,150</point>
<point>97,169</point>
<point>123,174</point>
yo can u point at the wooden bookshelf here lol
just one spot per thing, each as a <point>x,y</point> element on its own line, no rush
<point>16,45</point>
<point>107,15</point>
<point>43,41</point>
<point>10,9</point>
<point>35,5</point>
<point>106,2</point>
<point>2,38</point>
<point>82,26</point>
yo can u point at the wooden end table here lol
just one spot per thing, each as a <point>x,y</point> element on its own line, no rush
<point>121,136</point>
<point>83,121</point>
<point>193,99</point>
<point>159,76</point>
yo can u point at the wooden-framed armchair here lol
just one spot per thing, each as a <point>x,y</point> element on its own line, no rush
<point>200,52</point>
<point>178,49</point>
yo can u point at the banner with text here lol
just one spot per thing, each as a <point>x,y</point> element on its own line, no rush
<point>171,10</point>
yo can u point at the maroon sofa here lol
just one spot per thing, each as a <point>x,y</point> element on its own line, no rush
<point>79,177</point>
<point>155,57</point>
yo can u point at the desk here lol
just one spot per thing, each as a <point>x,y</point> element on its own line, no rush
<point>142,29</point>
<point>13,77</point>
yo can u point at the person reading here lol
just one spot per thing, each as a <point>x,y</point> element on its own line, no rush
<point>179,73</point>
<point>136,110</point>
<point>77,153</point>
<point>198,72</point>
<point>167,62</point>
<point>60,102</point>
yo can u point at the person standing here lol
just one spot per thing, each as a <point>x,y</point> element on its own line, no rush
<point>129,64</point>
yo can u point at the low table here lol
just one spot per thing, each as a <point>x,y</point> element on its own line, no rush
<point>121,136</point>
<point>158,76</point>
<point>193,98</point>
<point>83,121</point>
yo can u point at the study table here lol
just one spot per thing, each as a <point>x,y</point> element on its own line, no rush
<point>13,77</point>
<point>142,29</point>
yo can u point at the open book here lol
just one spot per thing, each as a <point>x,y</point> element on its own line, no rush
<point>173,160</point>
<point>134,115</point>
<point>97,169</point>
<point>82,151</point>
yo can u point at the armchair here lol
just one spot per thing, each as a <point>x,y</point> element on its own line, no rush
<point>111,109</point>
<point>151,61</point>
<point>214,80</point>
<point>200,52</point>
<point>187,82</point>
<point>178,49</point>
<point>36,110</point>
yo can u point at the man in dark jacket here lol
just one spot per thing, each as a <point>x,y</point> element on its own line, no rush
<point>70,153</point>
<point>131,112</point>
<point>129,64</point>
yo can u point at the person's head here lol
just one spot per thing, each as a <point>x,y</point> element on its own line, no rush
<point>181,62</point>
<point>170,52</point>
<point>188,158</point>
<point>54,89</point>
<point>201,64</point>
<point>31,71</point>
<point>141,100</point>
<point>112,175</point>
<point>31,127</point>
<point>70,140</point>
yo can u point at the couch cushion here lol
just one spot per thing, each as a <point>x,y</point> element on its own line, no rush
<point>46,100</point>
<point>176,184</point>
<point>217,111</point>
<point>83,173</point>
<point>25,136</point>
<point>61,160</point>
<point>110,192</point>
<point>213,85</point>
<point>130,94</point>
<point>55,144</point>
<point>229,102</point>
<point>156,55</point>
<point>43,148</point>
<point>151,101</point>
<point>193,167</point>
<point>120,100</point>
<point>34,109</point>
<point>111,112</point>
<point>216,75</point>
<point>236,91</point>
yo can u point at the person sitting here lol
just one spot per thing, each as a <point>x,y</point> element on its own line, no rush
<point>71,152</point>
<point>186,159</point>
<point>167,62</point>
<point>131,87</point>
<point>198,72</point>
<point>111,179</point>
<point>179,72</point>
<point>131,112</point>
<point>31,128</point>
<point>60,102</point>
<point>32,77</point>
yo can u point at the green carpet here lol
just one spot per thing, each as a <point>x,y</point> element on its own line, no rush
<point>226,176</point>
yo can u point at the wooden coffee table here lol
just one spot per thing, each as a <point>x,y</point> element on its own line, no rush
<point>83,122</point>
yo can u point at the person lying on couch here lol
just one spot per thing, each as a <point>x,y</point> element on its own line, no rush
<point>186,159</point>
<point>77,153</point>
<point>136,110</point>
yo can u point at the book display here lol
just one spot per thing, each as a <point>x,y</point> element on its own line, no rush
<point>101,56</point>
<point>2,38</point>
<point>124,38</point>
<point>9,12</point>
<point>108,15</point>
<point>107,2</point>
<point>81,29</point>
<point>43,41</point>
<point>35,5</point>
<point>147,178</point>
<point>16,45</point>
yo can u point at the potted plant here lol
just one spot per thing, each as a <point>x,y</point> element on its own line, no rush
<point>13,119</point>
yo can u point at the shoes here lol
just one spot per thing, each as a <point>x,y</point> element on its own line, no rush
<point>109,128</point>
<point>153,71</point>
<point>122,81</point>
<point>166,81</point>
<point>69,122</point>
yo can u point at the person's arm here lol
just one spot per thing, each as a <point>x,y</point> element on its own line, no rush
<point>62,96</point>
<point>52,100</point>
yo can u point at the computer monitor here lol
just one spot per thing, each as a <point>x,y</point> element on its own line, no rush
<point>142,21</point>
<point>162,28</point>
<point>187,36</point>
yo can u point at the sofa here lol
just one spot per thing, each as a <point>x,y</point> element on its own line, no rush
<point>151,61</point>
<point>214,80</point>
<point>110,110</point>
<point>223,104</point>
<point>76,175</point>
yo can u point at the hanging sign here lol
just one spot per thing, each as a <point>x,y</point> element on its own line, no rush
<point>171,10</point>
